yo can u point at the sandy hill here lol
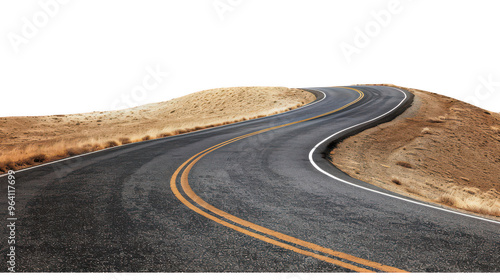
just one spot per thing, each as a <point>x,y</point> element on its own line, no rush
<point>441,150</point>
<point>27,141</point>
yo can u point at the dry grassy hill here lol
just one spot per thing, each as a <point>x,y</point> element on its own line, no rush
<point>27,141</point>
<point>441,150</point>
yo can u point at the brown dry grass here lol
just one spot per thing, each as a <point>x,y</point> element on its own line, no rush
<point>441,150</point>
<point>28,141</point>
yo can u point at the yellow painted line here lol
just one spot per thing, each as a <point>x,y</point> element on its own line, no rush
<point>190,193</point>
<point>255,235</point>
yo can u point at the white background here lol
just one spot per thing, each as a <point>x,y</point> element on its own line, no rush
<point>90,55</point>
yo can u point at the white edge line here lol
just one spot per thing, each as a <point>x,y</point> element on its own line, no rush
<point>379,192</point>
<point>170,137</point>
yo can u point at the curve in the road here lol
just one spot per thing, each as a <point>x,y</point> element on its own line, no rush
<point>357,264</point>
<point>354,128</point>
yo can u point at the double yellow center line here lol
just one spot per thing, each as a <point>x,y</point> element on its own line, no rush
<point>270,236</point>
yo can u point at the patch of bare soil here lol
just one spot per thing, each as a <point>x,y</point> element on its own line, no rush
<point>440,150</point>
<point>28,141</point>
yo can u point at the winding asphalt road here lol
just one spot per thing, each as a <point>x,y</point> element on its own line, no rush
<point>252,196</point>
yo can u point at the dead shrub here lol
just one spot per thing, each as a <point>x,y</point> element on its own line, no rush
<point>7,165</point>
<point>164,134</point>
<point>448,200</point>
<point>73,151</point>
<point>178,131</point>
<point>38,158</point>
<point>125,140</point>
<point>404,164</point>
<point>91,147</point>
<point>111,143</point>
<point>396,181</point>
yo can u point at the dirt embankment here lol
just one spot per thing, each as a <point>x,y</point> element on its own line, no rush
<point>441,150</point>
<point>27,141</point>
